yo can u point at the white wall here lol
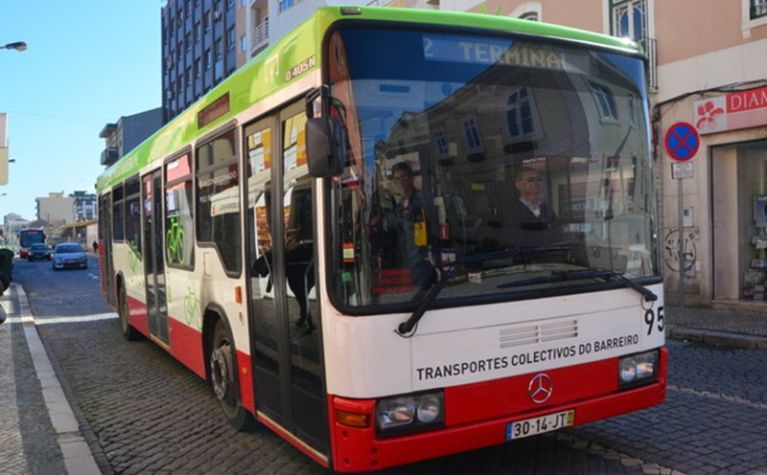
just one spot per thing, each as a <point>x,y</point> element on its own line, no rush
<point>741,63</point>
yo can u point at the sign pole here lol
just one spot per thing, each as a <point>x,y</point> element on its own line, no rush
<point>680,211</point>
<point>682,142</point>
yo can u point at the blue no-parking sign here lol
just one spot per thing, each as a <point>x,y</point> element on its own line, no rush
<point>682,141</point>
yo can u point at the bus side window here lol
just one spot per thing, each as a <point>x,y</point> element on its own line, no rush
<point>218,199</point>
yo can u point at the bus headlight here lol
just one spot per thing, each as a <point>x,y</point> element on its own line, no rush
<point>637,369</point>
<point>408,413</point>
<point>429,410</point>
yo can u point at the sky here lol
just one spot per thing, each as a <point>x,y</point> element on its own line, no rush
<point>88,63</point>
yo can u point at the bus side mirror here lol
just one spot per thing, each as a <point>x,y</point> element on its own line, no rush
<point>326,146</point>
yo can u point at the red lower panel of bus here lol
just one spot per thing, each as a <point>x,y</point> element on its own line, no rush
<point>246,382</point>
<point>476,415</point>
<point>138,315</point>
<point>186,346</point>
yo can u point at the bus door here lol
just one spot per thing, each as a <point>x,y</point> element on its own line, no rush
<point>154,258</point>
<point>106,267</point>
<point>289,376</point>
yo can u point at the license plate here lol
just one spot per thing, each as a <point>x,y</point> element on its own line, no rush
<point>539,425</point>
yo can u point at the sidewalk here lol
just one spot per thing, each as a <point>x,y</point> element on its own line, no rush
<point>39,433</point>
<point>719,327</point>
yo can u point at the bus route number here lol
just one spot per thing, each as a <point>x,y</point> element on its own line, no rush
<point>654,321</point>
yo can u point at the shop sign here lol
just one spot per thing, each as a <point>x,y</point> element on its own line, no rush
<point>737,110</point>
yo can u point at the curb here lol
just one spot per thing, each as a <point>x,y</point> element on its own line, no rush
<point>78,458</point>
<point>718,338</point>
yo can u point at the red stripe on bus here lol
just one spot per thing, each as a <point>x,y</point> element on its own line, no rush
<point>246,382</point>
<point>572,383</point>
<point>186,346</point>
<point>357,450</point>
<point>138,315</point>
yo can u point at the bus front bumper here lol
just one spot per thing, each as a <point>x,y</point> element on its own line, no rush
<point>361,449</point>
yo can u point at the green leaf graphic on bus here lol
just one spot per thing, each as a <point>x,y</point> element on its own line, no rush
<point>174,242</point>
<point>192,308</point>
<point>133,256</point>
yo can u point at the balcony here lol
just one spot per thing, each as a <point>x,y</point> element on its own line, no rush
<point>260,38</point>
<point>109,156</point>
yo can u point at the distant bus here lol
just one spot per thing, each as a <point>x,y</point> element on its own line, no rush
<point>27,237</point>
<point>398,234</point>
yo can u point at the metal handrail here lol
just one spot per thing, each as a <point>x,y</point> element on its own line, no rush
<point>261,35</point>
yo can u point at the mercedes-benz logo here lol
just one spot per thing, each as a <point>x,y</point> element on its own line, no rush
<point>540,388</point>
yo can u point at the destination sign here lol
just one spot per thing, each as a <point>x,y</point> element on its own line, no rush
<point>492,51</point>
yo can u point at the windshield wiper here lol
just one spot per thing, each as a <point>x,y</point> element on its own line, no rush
<point>407,326</point>
<point>559,276</point>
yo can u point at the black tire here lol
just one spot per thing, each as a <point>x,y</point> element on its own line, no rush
<point>222,370</point>
<point>128,332</point>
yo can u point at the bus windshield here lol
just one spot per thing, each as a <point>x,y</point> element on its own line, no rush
<point>497,166</point>
<point>27,237</point>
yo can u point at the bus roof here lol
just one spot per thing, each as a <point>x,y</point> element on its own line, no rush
<point>298,53</point>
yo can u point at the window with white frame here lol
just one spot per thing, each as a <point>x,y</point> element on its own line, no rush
<point>629,19</point>
<point>757,9</point>
<point>754,14</point>
<point>443,145</point>
<point>606,101</point>
<point>520,116</point>
<point>471,135</point>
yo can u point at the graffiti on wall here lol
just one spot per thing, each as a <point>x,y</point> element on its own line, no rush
<point>690,242</point>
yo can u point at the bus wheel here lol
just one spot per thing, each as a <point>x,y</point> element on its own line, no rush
<point>129,333</point>
<point>222,381</point>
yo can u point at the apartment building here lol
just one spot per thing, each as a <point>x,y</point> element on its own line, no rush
<point>707,68</point>
<point>203,42</point>
<point>56,209</point>
<point>85,205</point>
<point>122,136</point>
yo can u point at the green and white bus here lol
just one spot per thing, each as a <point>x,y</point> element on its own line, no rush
<point>399,234</point>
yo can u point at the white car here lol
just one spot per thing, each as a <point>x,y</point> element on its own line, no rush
<point>69,255</point>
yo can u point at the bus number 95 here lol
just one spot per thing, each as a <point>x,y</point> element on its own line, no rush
<point>650,320</point>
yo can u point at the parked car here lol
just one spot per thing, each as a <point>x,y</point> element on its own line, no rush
<point>68,255</point>
<point>39,251</point>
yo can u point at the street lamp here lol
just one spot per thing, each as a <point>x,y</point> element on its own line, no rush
<point>17,45</point>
